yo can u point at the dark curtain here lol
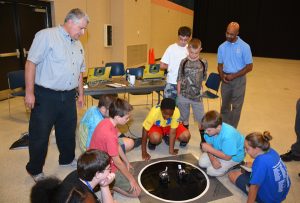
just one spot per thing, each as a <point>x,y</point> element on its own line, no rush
<point>270,27</point>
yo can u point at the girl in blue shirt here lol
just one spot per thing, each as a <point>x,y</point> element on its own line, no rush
<point>269,180</point>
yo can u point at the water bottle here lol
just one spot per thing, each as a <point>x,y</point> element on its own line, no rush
<point>127,74</point>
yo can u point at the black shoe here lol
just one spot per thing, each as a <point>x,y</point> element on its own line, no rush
<point>289,156</point>
<point>166,139</point>
<point>21,143</point>
<point>182,144</point>
<point>151,146</point>
<point>137,142</point>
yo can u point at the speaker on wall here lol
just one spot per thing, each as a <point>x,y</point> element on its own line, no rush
<point>107,35</point>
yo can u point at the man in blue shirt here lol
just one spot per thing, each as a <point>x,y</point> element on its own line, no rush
<point>234,62</point>
<point>53,72</point>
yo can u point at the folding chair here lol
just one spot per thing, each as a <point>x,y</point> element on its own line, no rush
<point>138,72</point>
<point>212,84</point>
<point>16,84</point>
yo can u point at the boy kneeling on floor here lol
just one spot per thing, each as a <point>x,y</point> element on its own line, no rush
<point>224,146</point>
<point>162,122</point>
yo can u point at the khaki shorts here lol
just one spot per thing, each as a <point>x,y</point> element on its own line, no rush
<point>121,182</point>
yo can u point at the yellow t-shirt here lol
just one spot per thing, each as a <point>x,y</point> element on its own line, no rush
<point>155,118</point>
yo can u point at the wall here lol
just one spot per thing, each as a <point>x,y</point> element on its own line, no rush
<point>166,18</point>
<point>134,22</point>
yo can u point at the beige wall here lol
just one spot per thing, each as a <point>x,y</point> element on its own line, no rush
<point>134,22</point>
<point>164,26</point>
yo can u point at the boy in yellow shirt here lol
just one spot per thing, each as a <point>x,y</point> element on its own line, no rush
<point>162,122</point>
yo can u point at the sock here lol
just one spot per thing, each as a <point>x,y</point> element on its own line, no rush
<point>202,135</point>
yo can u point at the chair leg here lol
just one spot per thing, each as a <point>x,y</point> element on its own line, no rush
<point>152,100</point>
<point>147,100</point>
<point>207,104</point>
<point>8,98</point>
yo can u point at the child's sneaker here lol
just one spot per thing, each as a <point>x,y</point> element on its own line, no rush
<point>38,177</point>
<point>182,144</point>
<point>151,146</point>
<point>73,164</point>
<point>166,139</point>
<point>137,142</point>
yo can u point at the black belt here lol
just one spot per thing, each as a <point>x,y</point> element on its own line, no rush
<point>228,73</point>
<point>51,90</point>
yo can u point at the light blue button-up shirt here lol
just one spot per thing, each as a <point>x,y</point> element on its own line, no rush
<point>234,56</point>
<point>59,59</point>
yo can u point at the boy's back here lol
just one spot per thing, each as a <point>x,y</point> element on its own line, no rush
<point>105,138</point>
<point>87,126</point>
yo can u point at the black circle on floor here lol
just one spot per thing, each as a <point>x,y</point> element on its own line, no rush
<point>175,188</point>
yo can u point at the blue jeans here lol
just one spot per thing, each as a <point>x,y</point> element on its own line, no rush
<point>52,108</point>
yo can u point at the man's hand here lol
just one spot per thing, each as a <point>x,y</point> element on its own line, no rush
<point>229,77</point>
<point>173,152</point>
<point>146,156</point>
<point>80,101</point>
<point>224,78</point>
<point>29,101</point>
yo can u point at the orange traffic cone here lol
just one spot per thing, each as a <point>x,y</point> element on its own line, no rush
<point>151,56</point>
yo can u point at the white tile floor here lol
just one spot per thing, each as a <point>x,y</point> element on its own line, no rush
<point>273,88</point>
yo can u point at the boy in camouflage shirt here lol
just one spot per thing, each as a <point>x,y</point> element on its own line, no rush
<point>191,73</point>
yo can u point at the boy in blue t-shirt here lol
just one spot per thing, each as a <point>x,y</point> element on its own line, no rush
<point>224,146</point>
<point>92,118</point>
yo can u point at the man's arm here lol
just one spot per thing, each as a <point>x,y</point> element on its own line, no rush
<point>221,73</point>
<point>253,189</point>
<point>80,91</point>
<point>123,169</point>
<point>29,84</point>
<point>145,154</point>
<point>172,138</point>
<point>242,72</point>
<point>163,66</point>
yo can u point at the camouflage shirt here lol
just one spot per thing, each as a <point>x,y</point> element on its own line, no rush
<point>191,74</point>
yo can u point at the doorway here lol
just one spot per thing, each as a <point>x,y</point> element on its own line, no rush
<point>19,22</point>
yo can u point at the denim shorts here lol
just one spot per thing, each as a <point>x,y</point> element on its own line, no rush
<point>242,182</point>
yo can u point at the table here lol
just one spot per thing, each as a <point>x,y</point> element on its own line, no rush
<point>139,87</point>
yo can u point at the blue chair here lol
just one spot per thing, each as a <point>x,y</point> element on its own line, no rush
<point>117,68</point>
<point>16,85</point>
<point>138,72</point>
<point>212,84</point>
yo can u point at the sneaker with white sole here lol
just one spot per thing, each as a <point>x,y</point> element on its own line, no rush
<point>73,164</point>
<point>38,177</point>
